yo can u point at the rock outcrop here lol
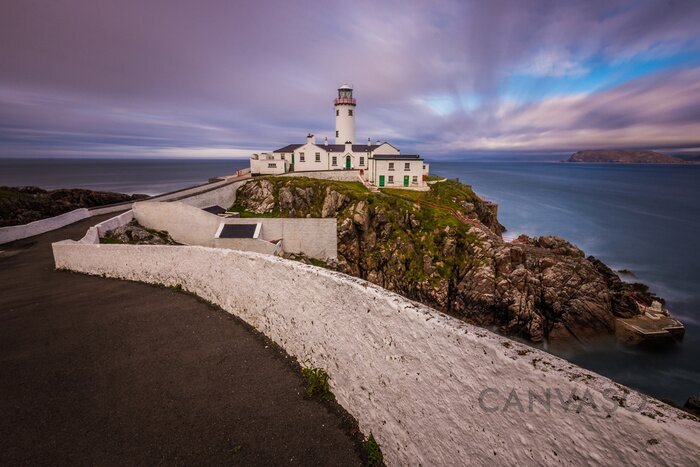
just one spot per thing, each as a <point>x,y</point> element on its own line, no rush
<point>444,248</point>
<point>135,234</point>
<point>21,205</point>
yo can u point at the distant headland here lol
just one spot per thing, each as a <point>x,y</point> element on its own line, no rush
<point>622,156</point>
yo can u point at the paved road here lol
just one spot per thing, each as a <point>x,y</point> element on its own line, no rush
<point>102,371</point>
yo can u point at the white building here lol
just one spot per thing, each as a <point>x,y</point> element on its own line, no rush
<point>268,163</point>
<point>379,164</point>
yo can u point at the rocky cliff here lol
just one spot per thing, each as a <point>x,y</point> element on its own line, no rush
<point>620,156</point>
<point>444,248</point>
<point>20,205</point>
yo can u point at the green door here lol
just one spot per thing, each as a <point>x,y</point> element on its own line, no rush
<point>405,180</point>
<point>347,162</point>
<point>292,158</point>
<point>381,180</point>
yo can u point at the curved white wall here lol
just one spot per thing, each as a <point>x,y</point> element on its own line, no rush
<point>209,194</point>
<point>410,374</point>
<point>16,232</point>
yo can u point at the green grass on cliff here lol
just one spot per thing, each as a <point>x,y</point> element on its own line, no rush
<point>445,195</point>
<point>448,194</point>
<point>417,234</point>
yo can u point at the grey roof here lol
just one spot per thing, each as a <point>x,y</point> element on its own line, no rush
<point>289,148</point>
<point>238,231</point>
<point>332,147</point>
<point>214,209</point>
<point>398,157</point>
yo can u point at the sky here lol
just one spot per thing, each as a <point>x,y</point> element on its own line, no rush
<point>445,79</point>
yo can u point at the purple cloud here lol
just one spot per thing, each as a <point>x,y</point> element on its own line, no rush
<point>225,78</point>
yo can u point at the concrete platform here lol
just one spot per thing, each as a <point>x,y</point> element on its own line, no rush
<point>652,327</point>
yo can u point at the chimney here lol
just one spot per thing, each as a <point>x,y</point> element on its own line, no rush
<point>309,139</point>
<point>348,146</point>
<point>378,142</point>
<point>369,141</point>
<point>325,140</point>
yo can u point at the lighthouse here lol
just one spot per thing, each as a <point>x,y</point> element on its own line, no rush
<point>345,115</point>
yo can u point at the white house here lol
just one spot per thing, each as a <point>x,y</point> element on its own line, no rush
<point>380,164</point>
<point>268,163</point>
<point>397,171</point>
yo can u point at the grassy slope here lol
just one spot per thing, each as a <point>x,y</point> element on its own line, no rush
<point>416,232</point>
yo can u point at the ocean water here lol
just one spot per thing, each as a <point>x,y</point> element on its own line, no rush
<point>146,176</point>
<point>645,218</point>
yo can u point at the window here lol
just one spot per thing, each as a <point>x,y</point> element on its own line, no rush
<point>391,166</point>
<point>350,112</point>
<point>282,157</point>
<point>391,179</point>
<point>362,160</point>
<point>337,133</point>
<point>415,179</point>
<point>318,157</point>
<point>272,165</point>
<point>301,157</point>
<point>407,166</point>
<point>337,112</point>
<point>334,160</point>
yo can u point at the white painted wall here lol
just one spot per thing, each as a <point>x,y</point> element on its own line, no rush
<point>187,224</point>
<point>268,164</point>
<point>313,237</point>
<point>246,244</point>
<point>17,232</point>
<point>223,195</point>
<point>409,374</point>
<point>345,123</point>
<point>218,193</point>
<point>381,167</point>
<point>386,149</point>
<point>309,150</point>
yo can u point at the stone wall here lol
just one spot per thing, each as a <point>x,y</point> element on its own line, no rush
<point>432,389</point>
<point>338,175</point>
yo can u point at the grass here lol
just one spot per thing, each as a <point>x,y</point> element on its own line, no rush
<point>317,384</point>
<point>420,229</point>
<point>245,214</point>
<point>372,452</point>
<point>344,187</point>
<point>354,190</point>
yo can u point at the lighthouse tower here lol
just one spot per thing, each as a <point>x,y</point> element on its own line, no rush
<point>345,116</point>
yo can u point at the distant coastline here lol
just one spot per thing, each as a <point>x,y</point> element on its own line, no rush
<point>621,156</point>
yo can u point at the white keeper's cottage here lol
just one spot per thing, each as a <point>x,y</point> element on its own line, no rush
<point>379,164</point>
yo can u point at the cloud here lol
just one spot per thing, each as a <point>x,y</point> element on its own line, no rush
<point>553,63</point>
<point>166,77</point>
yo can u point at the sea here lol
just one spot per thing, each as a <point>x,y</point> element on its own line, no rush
<point>642,218</point>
